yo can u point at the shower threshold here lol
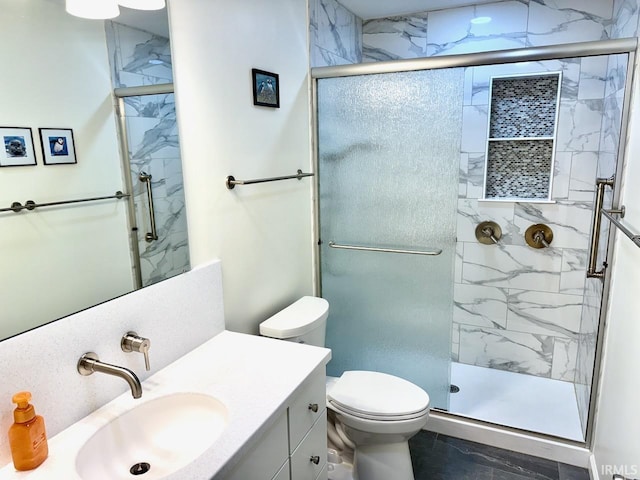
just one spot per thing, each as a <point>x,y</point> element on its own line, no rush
<point>517,400</point>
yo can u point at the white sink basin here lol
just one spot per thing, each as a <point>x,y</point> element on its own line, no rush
<point>166,433</point>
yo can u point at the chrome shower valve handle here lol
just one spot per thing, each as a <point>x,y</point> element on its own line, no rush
<point>132,342</point>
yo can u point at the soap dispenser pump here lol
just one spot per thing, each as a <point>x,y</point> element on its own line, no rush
<point>27,436</point>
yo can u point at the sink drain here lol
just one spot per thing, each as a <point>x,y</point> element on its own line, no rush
<point>140,468</point>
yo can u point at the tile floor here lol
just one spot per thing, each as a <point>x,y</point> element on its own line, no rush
<point>438,457</point>
<point>517,400</point>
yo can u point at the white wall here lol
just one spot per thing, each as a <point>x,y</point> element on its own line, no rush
<point>56,74</point>
<point>617,431</point>
<point>261,232</point>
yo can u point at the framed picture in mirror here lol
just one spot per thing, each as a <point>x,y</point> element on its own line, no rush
<point>18,147</point>
<point>266,88</point>
<point>57,146</point>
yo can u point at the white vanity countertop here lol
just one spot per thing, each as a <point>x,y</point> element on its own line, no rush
<point>253,376</point>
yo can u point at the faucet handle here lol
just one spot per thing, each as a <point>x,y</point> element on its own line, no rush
<point>132,342</point>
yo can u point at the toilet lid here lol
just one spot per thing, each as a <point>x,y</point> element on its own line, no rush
<point>378,394</point>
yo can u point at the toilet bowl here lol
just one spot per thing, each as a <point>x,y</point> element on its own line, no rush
<point>375,413</point>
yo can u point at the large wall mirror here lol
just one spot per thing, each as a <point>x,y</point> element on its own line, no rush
<point>59,76</point>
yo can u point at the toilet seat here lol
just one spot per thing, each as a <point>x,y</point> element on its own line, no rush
<point>378,396</point>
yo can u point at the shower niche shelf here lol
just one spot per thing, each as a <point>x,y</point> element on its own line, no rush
<point>523,118</point>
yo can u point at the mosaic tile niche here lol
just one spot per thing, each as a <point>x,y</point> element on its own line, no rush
<point>522,130</point>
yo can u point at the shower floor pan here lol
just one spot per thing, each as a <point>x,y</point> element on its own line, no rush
<point>541,405</point>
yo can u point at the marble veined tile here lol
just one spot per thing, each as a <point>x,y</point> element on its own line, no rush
<point>471,213</point>
<point>338,30</point>
<point>153,137</point>
<point>625,14</point>
<point>451,31</point>
<point>569,221</point>
<point>480,306</point>
<point>567,21</point>
<point>395,37</point>
<point>475,122</point>
<point>457,270</point>
<point>544,313</point>
<point>565,354</point>
<point>455,342</point>
<point>472,175</point>
<point>505,350</point>
<point>579,125</point>
<point>611,124</point>
<point>574,268</point>
<point>583,395</point>
<point>593,77</point>
<point>561,175</point>
<point>512,266</point>
<point>584,169</point>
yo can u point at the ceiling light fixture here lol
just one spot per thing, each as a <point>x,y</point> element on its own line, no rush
<point>143,4</point>
<point>94,9</point>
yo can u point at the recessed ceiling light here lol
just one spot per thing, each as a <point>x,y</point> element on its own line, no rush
<point>480,20</point>
<point>94,10</point>
<point>143,4</point>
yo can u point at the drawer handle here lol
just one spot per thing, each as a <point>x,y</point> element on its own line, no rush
<point>313,407</point>
<point>315,459</point>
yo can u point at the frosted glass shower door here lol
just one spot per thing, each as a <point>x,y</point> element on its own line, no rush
<point>389,153</point>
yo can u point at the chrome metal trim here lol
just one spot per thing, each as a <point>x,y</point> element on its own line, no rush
<point>596,225</point>
<point>153,234</point>
<point>610,215</point>
<point>159,89</point>
<point>317,242</point>
<point>528,54</point>
<point>231,182</point>
<point>126,174</point>
<point>31,205</point>
<point>435,251</point>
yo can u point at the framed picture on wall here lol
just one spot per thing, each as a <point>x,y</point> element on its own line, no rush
<point>266,88</point>
<point>18,147</point>
<point>57,146</point>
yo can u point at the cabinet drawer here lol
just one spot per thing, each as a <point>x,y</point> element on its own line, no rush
<point>301,410</point>
<point>313,446</point>
<point>266,457</point>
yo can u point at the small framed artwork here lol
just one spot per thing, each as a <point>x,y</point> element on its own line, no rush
<point>57,146</point>
<point>266,88</point>
<point>18,147</point>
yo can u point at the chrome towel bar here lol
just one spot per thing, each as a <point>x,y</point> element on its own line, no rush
<point>231,182</point>
<point>599,212</point>
<point>435,251</point>
<point>610,215</point>
<point>31,205</point>
<point>153,234</point>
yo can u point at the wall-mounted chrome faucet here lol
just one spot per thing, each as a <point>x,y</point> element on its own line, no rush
<point>90,363</point>
<point>132,342</point>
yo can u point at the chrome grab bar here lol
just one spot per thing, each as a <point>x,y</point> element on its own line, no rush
<point>596,225</point>
<point>435,251</point>
<point>153,234</point>
<point>231,182</point>
<point>31,205</point>
<point>610,215</point>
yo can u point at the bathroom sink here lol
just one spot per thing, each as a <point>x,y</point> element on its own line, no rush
<point>153,439</point>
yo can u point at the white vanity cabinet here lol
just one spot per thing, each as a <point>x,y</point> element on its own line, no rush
<point>295,446</point>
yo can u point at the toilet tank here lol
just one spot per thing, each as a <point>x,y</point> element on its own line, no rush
<point>304,321</point>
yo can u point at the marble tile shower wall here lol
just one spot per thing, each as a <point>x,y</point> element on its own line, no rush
<point>141,58</point>
<point>336,34</point>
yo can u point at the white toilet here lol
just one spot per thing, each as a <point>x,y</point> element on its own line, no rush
<point>374,413</point>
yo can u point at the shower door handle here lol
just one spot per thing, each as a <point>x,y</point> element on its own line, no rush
<point>596,224</point>
<point>153,234</point>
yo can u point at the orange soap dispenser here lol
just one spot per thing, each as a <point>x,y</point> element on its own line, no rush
<point>27,436</point>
